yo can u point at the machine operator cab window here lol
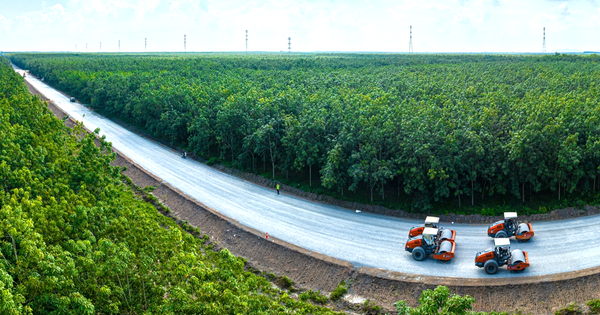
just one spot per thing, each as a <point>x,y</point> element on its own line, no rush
<point>502,246</point>
<point>429,235</point>
<point>432,222</point>
<point>510,219</point>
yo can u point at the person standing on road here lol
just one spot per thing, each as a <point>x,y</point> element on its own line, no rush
<point>277,188</point>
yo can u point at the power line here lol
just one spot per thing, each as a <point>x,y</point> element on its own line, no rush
<point>544,42</point>
<point>410,47</point>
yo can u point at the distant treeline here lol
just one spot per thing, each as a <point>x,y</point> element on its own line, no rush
<point>434,127</point>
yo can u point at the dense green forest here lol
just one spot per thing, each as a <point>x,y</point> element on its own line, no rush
<point>428,131</point>
<point>74,239</point>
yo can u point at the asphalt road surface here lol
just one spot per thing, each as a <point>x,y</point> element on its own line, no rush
<point>363,239</point>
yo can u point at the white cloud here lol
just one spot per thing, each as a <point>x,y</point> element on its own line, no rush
<point>4,24</point>
<point>561,11</point>
<point>314,25</point>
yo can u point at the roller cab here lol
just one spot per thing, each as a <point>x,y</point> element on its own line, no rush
<point>430,242</point>
<point>509,227</point>
<point>430,222</point>
<point>500,255</point>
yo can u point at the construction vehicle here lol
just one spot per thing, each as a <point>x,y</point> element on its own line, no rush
<point>430,222</point>
<point>500,255</point>
<point>432,242</point>
<point>508,227</point>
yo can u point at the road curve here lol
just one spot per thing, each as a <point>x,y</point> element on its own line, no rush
<point>363,239</point>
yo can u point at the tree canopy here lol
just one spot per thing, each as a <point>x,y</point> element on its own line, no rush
<point>440,128</point>
<point>74,239</point>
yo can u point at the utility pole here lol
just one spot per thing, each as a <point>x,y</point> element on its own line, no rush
<point>246,41</point>
<point>289,45</point>
<point>544,42</point>
<point>184,43</point>
<point>410,47</point>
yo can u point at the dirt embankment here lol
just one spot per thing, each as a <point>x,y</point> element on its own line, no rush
<point>538,295</point>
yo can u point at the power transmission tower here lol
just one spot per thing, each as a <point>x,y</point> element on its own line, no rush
<point>184,43</point>
<point>289,45</point>
<point>145,44</point>
<point>544,42</point>
<point>75,47</point>
<point>119,45</point>
<point>246,41</point>
<point>100,46</point>
<point>410,47</point>
<point>85,47</point>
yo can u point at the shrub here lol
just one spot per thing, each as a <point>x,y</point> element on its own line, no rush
<point>594,306</point>
<point>316,297</point>
<point>572,309</point>
<point>339,291</point>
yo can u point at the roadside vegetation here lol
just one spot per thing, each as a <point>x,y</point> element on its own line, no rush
<point>74,239</point>
<point>421,133</point>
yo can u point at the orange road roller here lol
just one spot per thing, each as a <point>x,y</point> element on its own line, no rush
<point>430,222</point>
<point>439,243</point>
<point>523,232</point>
<point>500,255</point>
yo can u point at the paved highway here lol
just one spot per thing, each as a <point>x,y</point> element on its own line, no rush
<point>363,239</point>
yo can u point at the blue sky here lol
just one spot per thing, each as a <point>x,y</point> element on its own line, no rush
<point>325,25</point>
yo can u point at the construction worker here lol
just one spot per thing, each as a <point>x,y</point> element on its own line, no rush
<point>277,189</point>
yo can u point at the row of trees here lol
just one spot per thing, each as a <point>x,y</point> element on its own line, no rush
<point>431,128</point>
<point>75,240</point>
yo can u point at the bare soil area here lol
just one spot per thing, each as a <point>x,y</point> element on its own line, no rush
<point>537,295</point>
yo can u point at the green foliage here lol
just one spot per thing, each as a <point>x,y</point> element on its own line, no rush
<point>572,309</point>
<point>370,307</point>
<point>285,283</point>
<point>316,297</point>
<point>339,291</point>
<point>420,130</point>
<point>594,306</point>
<point>438,301</point>
<point>75,239</point>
